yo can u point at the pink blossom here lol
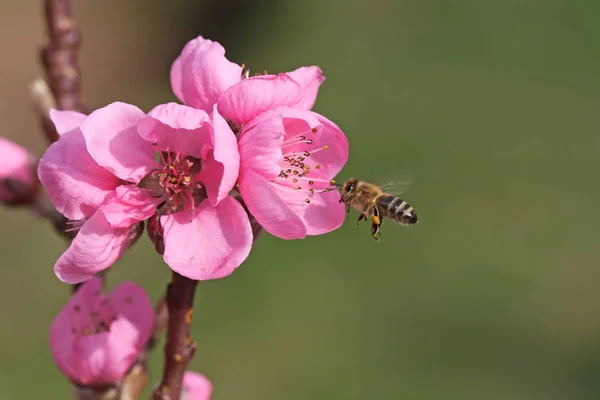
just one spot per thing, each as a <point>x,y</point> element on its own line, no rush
<point>202,73</point>
<point>288,154</point>
<point>95,339</point>
<point>196,387</point>
<point>17,179</point>
<point>288,159</point>
<point>118,167</point>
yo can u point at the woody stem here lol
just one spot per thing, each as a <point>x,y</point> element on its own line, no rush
<point>179,347</point>
<point>60,61</point>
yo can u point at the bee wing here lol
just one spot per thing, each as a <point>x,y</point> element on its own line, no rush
<point>397,186</point>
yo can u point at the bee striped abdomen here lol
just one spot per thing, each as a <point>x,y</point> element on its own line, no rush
<point>397,209</point>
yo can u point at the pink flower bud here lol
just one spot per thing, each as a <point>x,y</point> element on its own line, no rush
<point>196,387</point>
<point>17,180</point>
<point>95,339</point>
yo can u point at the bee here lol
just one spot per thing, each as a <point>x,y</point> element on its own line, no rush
<point>374,203</point>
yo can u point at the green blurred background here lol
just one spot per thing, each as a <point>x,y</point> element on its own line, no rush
<point>492,106</point>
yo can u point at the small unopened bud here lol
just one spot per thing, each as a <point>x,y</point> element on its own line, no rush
<point>18,184</point>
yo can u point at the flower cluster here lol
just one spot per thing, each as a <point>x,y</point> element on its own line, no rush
<point>182,168</point>
<point>236,152</point>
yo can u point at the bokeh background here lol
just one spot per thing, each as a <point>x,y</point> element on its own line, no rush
<point>492,106</point>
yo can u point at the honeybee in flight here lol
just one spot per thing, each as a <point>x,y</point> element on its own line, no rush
<point>374,203</point>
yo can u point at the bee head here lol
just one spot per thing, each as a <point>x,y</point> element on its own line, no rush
<point>348,190</point>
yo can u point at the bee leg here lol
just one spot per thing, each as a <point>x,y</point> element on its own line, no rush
<point>360,218</point>
<point>363,214</point>
<point>377,222</point>
<point>347,208</point>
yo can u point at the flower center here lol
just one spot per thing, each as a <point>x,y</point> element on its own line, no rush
<point>176,174</point>
<point>298,163</point>
<point>174,181</point>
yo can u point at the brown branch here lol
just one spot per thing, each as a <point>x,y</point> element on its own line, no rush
<point>59,58</point>
<point>179,348</point>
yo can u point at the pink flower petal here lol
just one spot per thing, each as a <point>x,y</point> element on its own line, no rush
<point>76,184</point>
<point>201,73</point>
<point>335,157</point>
<point>181,129</point>
<point>61,329</point>
<point>176,79</point>
<point>247,99</point>
<point>220,168</point>
<point>113,141</point>
<point>96,247</point>
<point>129,206</point>
<point>196,387</point>
<point>269,209</point>
<point>323,214</point>
<point>309,79</point>
<point>208,242</point>
<point>105,357</point>
<point>65,121</point>
<point>297,123</point>
<point>131,301</point>
<point>260,145</point>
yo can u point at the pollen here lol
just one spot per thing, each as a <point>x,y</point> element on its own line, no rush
<point>298,160</point>
<point>174,181</point>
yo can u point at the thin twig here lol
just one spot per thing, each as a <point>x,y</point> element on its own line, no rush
<point>179,348</point>
<point>59,58</point>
